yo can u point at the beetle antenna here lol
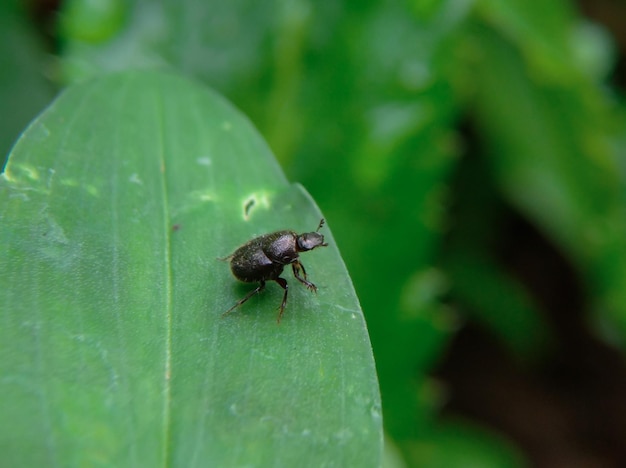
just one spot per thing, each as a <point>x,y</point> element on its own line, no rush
<point>322,221</point>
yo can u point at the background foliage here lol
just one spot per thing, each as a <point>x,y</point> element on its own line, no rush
<point>469,156</point>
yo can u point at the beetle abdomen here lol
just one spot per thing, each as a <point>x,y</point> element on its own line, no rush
<point>253,265</point>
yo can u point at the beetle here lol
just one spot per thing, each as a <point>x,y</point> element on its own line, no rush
<point>263,259</point>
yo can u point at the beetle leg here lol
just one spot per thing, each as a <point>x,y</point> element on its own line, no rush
<point>283,284</point>
<point>248,296</point>
<point>296,267</point>
<point>299,266</point>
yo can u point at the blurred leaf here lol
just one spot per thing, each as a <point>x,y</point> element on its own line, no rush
<point>544,34</point>
<point>462,444</point>
<point>480,287</point>
<point>23,89</point>
<point>499,303</point>
<point>115,204</point>
<point>222,43</point>
<point>552,149</point>
<point>92,21</point>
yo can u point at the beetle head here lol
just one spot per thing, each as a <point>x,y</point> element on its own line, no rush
<point>310,240</point>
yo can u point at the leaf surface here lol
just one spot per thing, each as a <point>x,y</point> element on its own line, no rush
<point>114,206</point>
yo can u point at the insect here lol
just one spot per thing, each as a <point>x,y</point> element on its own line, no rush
<point>263,259</point>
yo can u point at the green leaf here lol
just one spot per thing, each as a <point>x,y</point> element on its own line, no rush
<point>114,206</point>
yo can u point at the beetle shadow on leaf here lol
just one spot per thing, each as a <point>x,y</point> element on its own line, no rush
<point>240,290</point>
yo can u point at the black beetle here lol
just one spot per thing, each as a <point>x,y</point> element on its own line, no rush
<point>263,259</point>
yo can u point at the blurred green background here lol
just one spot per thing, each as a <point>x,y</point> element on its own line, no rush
<point>470,158</point>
